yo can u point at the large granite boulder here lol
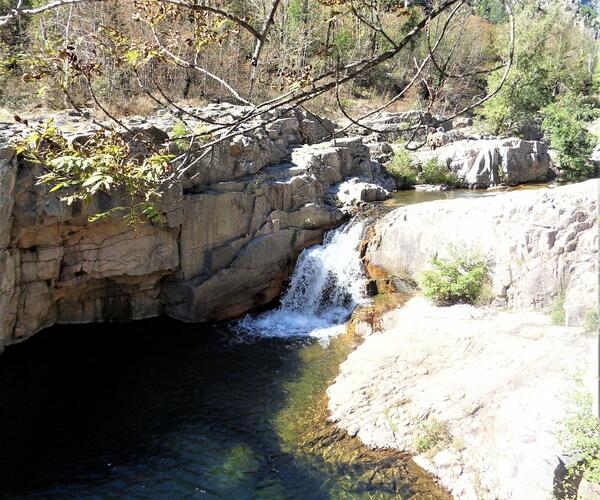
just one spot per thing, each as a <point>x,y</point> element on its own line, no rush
<point>542,245</point>
<point>234,224</point>
<point>488,162</point>
<point>354,191</point>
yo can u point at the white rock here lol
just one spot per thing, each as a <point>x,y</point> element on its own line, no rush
<point>499,380</point>
<point>488,162</point>
<point>539,243</point>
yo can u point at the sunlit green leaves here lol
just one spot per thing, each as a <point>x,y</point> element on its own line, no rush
<point>457,279</point>
<point>101,163</point>
<point>580,434</point>
<point>564,122</point>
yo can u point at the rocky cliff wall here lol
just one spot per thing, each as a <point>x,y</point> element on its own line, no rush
<point>235,224</point>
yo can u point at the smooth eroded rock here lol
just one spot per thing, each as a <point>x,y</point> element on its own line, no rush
<point>489,162</point>
<point>495,385</point>
<point>541,245</point>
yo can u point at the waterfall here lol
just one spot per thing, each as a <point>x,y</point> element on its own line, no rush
<point>326,286</point>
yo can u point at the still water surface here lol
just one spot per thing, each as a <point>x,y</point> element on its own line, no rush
<point>159,409</point>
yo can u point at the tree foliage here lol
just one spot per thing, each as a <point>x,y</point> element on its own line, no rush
<point>580,435</point>
<point>272,56</point>
<point>565,124</point>
<point>100,163</point>
<point>552,57</point>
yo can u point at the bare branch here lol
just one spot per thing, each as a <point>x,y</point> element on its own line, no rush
<point>185,64</point>
<point>261,40</point>
<point>202,7</point>
<point>507,68</point>
<point>19,12</point>
<point>406,88</point>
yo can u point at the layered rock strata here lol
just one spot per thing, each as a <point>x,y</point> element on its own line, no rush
<point>234,225</point>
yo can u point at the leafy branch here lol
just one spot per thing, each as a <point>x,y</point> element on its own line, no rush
<point>102,163</point>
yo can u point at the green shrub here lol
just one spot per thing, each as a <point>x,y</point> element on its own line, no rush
<point>492,10</point>
<point>592,321</point>
<point>431,434</point>
<point>180,133</point>
<point>401,168</point>
<point>458,279</point>
<point>434,172</point>
<point>565,125</point>
<point>580,436</point>
<point>557,309</point>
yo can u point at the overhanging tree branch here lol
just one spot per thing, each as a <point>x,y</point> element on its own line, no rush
<point>18,11</point>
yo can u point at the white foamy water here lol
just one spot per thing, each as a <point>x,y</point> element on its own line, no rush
<point>327,284</point>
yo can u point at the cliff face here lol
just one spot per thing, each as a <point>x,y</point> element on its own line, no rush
<point>234,226</point>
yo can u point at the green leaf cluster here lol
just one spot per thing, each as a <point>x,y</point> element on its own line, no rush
<point>435,172</point>
<point>492,10</point>
<point>457,279</point>
<point>557,309</point>
<point>402,168</point>
<point>431,435</point>
<point>102,163</point>
<point>551,58</point>
<point>565,124</point>
<point>580,435</point>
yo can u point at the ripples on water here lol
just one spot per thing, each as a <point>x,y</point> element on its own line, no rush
<point>147,409</point>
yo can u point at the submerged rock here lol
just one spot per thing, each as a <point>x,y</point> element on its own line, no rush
<point>476,394</point>
<point>542,245</point>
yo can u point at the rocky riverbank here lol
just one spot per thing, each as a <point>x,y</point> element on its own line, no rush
<point>477,394</point>
<point>542,245</point>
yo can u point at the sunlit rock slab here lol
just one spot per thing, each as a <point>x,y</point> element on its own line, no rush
<point>500,381</point>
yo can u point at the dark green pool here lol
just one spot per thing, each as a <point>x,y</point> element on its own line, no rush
<point>159,409</point>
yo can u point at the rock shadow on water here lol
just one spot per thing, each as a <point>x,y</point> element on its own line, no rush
<point>161,408</point>
<point>147,408</point>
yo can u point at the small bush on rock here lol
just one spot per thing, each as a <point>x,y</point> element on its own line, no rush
<point>557,309</point>
<point>401,168</point>
<point>580,436</point>
<point>592,321</point>
<point>431,435</point>
<point>437,173</point>
<point>458,279</point>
